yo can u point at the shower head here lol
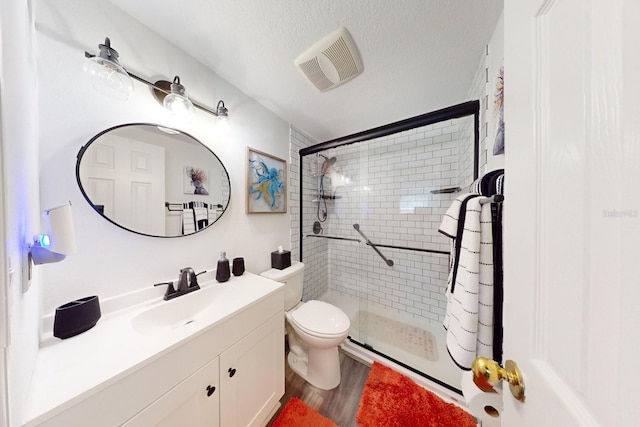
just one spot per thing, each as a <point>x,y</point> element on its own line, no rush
<point>327,163</point>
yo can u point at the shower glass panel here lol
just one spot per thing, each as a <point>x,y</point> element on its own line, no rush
<point>371,208</point>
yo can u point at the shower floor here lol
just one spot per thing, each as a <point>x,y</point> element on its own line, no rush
<point>417,343</point>
<point>411,339</point>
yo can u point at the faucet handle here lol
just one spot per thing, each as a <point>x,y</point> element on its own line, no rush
<point>170,289</point>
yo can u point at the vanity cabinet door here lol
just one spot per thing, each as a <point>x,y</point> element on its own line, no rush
<point>252,376</point>
<point>195,402</point>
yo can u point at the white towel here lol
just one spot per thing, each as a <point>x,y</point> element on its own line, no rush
<point>449,228</point>
<point>212,213</point>
<point>469,314</point>
<point>200,214</point>
<point>486,282</point>
<point>500,185</point>
<point>188,220</point>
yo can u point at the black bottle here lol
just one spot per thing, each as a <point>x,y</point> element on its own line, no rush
<point>222,271</point>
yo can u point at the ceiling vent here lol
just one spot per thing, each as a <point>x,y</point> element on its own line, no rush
<point>332,61</point>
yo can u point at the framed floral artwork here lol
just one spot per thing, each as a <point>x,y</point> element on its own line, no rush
<point>266,183</point>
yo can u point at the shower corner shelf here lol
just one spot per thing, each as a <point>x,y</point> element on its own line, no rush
<point>318,198</point>
<point>446,190</point>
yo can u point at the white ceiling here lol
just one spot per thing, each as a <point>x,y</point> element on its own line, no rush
<point>418,55</point>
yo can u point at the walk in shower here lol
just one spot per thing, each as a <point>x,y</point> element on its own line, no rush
<point>370,208</point>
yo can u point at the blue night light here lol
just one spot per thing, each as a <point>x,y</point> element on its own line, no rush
<point>43,240</point>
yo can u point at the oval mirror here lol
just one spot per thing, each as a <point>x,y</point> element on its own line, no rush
<point>153,180</point>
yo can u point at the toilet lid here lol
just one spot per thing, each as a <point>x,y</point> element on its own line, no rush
<point>322,318</point>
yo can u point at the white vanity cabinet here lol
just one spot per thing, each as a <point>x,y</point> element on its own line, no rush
<point>226,368</point>
<point>250,386</point>
<point>194,402</point>
<point>252,376</point>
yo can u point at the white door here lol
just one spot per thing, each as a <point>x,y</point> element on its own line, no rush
<point>127,178</point>
<point>572,211</point>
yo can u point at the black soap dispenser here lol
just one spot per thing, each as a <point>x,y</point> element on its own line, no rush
<point>222,271</point>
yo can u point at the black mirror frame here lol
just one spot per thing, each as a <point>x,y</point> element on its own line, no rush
<point>97,207</point>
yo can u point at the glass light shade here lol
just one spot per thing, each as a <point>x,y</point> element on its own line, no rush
<point>177,101</point>
<point>109,77</point>
<point>178,104</point>
<point>222,127</point>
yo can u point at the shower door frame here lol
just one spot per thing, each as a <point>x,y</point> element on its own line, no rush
<point>469,108</point>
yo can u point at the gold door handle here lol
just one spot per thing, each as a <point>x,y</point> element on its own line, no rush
<point>487,372</point>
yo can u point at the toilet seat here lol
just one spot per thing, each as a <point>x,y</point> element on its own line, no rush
<point>320,319</point>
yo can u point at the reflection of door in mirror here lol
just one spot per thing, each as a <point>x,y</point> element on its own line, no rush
<point>127,178</point>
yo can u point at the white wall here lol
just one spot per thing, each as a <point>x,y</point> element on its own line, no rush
<point>18,86</point>
<point>112,261</point>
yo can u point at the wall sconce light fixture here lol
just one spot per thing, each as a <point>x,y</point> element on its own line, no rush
<point>108,76</point>
<point>177,101</point>
<point>171,95</point>
<point>223,113</point>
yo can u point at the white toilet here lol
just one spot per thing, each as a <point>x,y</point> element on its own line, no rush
<point>315,329</point>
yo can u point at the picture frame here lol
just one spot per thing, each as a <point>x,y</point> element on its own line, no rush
<point>266,183</point>
<point>196,181</point>
<point>498,106</point>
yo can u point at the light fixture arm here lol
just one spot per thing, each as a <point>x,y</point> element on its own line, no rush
<point>108,50</point>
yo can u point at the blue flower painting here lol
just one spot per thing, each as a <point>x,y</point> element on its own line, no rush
<point>266,178</point>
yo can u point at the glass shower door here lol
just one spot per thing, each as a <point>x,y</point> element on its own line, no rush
<point>395,189</point>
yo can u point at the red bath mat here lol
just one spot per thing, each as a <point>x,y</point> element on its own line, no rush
<point>392,399</point>
<point>297,414</point>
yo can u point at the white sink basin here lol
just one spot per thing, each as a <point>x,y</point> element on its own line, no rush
<point>185,310</point>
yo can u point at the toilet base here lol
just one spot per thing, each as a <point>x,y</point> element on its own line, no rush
<point>321,369</point>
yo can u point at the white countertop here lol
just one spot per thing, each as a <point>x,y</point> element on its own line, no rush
<point>67,371</point>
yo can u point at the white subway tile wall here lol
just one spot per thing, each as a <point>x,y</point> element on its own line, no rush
<point>385,185</point>
<point>315,250</point>
<point>389,196</point>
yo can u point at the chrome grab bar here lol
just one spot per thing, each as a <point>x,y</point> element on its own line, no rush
<point>375,248</point>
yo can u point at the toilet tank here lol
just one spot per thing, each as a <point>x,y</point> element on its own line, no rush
<point>293,278</point>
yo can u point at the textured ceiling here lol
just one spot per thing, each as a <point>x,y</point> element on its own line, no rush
<point>418,55</point>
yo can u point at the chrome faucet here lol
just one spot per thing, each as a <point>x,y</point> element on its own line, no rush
<point>187,282</point>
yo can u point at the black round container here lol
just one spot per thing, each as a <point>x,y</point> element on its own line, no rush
<point>76,317</point>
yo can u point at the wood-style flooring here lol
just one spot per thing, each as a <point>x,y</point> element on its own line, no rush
<point>340,404</point>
